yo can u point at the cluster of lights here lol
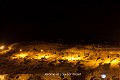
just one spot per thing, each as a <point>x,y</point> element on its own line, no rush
<point>71,58</point>
<point>41,56</point>
<point>21,55</point>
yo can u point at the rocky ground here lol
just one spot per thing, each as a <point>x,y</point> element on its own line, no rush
<point>48,61</point>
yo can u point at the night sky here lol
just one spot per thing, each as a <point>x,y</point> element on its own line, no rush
<point>59,21</point>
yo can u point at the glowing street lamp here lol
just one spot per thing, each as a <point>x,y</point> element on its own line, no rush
<point>20,50</point>
<point>103,76</point>
<point>2,47</point>
<point>41,50</point>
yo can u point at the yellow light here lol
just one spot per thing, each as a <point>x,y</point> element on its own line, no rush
<point>71,58</point>
<point>107,61</point>
<point>41,56</point>
<point>21,55</point>
<point>37,57</point>
<point>46,56</point>
<point>2,77</point>
<point>2,47</point>
<point>41,50</point>
<point>114,61</point>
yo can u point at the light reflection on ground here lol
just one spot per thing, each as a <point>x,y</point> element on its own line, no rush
<point>90,58</point>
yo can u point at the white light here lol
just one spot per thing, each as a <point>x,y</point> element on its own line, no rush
<point>20,50</point>
<point>41,50</point>
<point>103,76</point>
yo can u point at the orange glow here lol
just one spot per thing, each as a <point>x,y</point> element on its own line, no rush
<point>41,56</point>
<point>71,58</point>
<point>22,55</point>
<point>2,77</point>
<point>41,50</point>
<point>20,50</point>
<point>115,61</point>
<point>2,47</point>
<point>107,61</point>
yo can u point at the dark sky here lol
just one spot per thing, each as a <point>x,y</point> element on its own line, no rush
<point>57,20</point>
